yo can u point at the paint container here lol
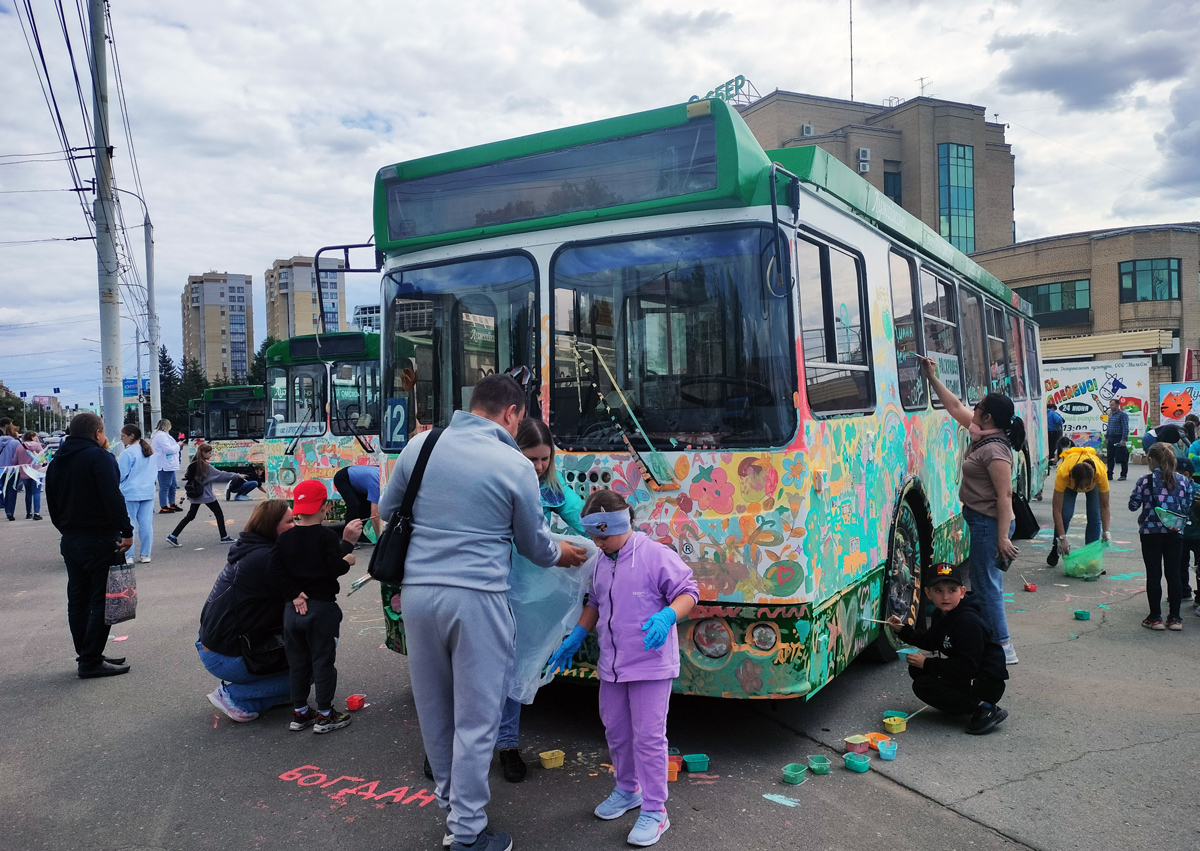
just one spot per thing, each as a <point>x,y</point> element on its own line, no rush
<point>696,762</point>
<point>1083,615</point>
<point>1030,586</point>
<point>676,762</point>
<point>355,702</point>
<point>672,772</point>
<point>672,751</point>
<point>857,744</point>
<point>906,651</point>
<point>794,773</point>
<point>895,724</point>
<point>887,750</point>
<point>818,764</point>
<point>875,739</point>
<point>857,762</point>
<point>895,713</point>
<point>551,759</point>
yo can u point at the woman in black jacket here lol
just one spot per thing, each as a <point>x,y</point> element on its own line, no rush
<point>246,603</point>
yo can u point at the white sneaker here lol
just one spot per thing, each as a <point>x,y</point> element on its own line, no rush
<point>220,700</point>
<point>1010,653</point>
<point>144,560</point>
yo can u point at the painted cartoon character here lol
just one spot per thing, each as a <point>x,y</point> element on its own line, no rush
<point>1177,405</point>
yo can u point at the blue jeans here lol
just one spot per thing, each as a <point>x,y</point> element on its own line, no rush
<point>10,496</point>
<point>1094,523</point>
<point>166,488</point>
<point>245,489</point>
<point>33,496</point>
<point>141,515</point>
<point>246,691</point>
<point>987,579</point>
<point>510,725</point>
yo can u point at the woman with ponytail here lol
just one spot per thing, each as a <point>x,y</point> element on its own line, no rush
<point>139,472</point>
<point>986,495</point>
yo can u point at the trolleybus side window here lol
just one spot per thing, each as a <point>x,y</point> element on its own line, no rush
<point>1031,358</point>
<point>447,326</point>
<point>974,363</point>
<point>675,339</point>
<point>836,360</point>
<point>906,332</point>
<point>997,356</point>
<point>298,400</point>
<point>1016,358</point>
<point>355,397</point>
<point>939,308</point>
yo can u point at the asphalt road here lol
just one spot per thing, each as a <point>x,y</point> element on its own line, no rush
<point>1098,753</point>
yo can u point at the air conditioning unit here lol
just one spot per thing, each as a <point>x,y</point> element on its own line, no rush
<point>864,155</point>
<point>863,168</point>
<point>807,130</point>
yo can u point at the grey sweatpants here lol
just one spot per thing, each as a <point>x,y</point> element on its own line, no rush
<point>460,656</point>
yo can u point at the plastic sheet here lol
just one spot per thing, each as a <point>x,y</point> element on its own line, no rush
<point>546,603</point>
<point>1087,562</point>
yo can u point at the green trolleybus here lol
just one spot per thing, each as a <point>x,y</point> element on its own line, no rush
<point>725,336</point>
<point>322,408</point>
<point>232,420</point>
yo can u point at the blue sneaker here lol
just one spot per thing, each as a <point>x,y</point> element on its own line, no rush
<point>649,829</point>
<point>618,803</point>
<point>173,541</point>
<point>486,841</point>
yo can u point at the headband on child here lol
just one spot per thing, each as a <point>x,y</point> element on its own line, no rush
<point>604,523</point>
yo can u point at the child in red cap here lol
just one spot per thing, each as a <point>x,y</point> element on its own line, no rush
<point>310,558</point>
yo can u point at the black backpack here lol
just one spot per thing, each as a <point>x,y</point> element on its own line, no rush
<point>193,488</point>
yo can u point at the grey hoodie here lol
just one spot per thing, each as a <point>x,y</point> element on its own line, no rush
<point>479,498</point>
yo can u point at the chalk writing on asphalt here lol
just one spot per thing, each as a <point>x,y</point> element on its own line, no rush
<point>311,775</point>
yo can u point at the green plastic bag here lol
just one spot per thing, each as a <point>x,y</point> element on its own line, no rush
<point>1087,562</point>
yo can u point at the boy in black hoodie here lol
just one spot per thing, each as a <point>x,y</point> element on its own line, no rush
<point>968,678</point>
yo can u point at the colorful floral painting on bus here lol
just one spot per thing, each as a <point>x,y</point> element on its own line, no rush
<point>239,455</point>
<point>314,458</point>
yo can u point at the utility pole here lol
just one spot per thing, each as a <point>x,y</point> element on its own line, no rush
<point>152,326</point>
<point>106,249</point>
<point>851,49</point>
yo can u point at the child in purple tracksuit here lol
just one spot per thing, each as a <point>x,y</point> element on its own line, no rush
<point>640,589</point>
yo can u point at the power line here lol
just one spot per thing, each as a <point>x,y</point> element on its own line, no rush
<point>59,321</point>
<point>15,242</point>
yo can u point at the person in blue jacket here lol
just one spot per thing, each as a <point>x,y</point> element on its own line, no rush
<point>1054,430</point>
<point>537,444</point>
<point>139,474</point>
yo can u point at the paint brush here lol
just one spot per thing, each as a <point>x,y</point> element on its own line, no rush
<point>918,712</point>
<point>873,620</point>
<point>358,583</point>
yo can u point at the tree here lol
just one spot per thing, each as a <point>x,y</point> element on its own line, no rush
<point>168,383</point>
<point>257,373</point>
<point>192,385</point>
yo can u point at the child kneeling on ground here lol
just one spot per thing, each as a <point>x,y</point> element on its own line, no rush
<point>637,594</point>
<point>310,558</point>
<point>969,678</point>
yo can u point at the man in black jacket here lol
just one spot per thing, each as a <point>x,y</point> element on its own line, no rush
<point>968,677</point>
<point>83,494</point>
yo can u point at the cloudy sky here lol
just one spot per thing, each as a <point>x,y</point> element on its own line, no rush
<point>258,126</point>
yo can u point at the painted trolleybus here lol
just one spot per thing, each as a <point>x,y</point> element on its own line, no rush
<point>322,408</point>
<point>725,336</point>
<point>232,421</point>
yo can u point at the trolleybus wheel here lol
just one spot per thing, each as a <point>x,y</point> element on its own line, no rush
<point>901,592</point>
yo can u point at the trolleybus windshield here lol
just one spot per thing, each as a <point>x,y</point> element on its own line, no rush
<point>234,419</point>
<point>355,397</point>
<point>298,400</point>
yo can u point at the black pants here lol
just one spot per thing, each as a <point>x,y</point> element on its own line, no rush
<point>214,507</point>
<point>311,644</point>
<point>357,506</point>
<point>1190,561</point>
<point>88,558</point>
<point>1163,554</point>
<point>1119,455</point>
<point>955,696</point>
<point>1054,437</point>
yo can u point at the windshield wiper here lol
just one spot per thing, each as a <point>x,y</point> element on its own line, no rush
<point>657,472</point>
<point>291,450</point>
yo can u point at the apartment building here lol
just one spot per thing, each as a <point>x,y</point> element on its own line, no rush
<point>293,290</point>
<point>218,325</point>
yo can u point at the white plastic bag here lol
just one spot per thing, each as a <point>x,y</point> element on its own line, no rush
<point>546,603</point>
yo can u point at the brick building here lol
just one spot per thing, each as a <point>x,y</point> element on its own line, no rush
<point>940,160</point>
<point>1107,294</point>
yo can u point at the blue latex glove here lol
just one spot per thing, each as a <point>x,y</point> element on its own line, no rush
<point>657,628</point>
<point>561,660</point>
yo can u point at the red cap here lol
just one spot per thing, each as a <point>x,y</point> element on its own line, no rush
<point>309,496</point>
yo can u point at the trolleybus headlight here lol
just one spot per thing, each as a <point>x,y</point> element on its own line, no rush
<point>712,638</point>
<point>763,636</point>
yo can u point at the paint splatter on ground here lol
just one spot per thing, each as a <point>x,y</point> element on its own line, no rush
<point>782,799</point>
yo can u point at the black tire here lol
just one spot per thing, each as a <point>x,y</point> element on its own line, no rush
<point>902,581</point>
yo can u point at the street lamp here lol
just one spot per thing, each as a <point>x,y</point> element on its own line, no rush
<point>151,317</point>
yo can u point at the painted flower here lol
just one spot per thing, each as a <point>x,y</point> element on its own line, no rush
<point>712,490</point>
<point>794,470</point>
<point>749,676</point>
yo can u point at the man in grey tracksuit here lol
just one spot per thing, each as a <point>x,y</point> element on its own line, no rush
<point>479,498</point>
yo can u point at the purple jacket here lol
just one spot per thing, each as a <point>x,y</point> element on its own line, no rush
<point>645,577</point>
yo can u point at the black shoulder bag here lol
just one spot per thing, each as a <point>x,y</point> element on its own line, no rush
<point>387,561</point>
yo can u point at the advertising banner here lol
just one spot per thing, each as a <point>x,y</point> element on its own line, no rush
<point>1177,400</point>
<point>1082,392</point>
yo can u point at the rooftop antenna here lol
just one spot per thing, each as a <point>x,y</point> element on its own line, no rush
<point>851,49</point>
<point>925,83</point>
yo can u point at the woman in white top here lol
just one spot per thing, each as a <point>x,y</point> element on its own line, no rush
<point>137,486</point>
<point>166,453</point>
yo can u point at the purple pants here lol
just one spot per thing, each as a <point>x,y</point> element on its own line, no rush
<point>635,724</point>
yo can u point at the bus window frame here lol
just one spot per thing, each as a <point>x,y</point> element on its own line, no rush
<point>980,346</point>
<point>387,337</point>
<point>942,277</point>
<point>995,308</point>
<point>375,428</point>
<point>1013,322</point>
<point>1033,367</point>
<point>620,365</point>
<point>318,425</point>
<point>824,242</point>
<point>917,316</point>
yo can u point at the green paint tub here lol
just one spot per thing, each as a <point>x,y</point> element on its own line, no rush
<point>1083,615</point>
<point>696,762</point>
<point>794,773</point>
<point>818,764</point>
<point>857,762</point>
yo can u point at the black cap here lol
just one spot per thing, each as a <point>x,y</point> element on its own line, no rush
<point>942,571</point>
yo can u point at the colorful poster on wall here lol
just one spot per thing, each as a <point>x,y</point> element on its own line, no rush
<point>1082,392</point>
<point>1177,400</point>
